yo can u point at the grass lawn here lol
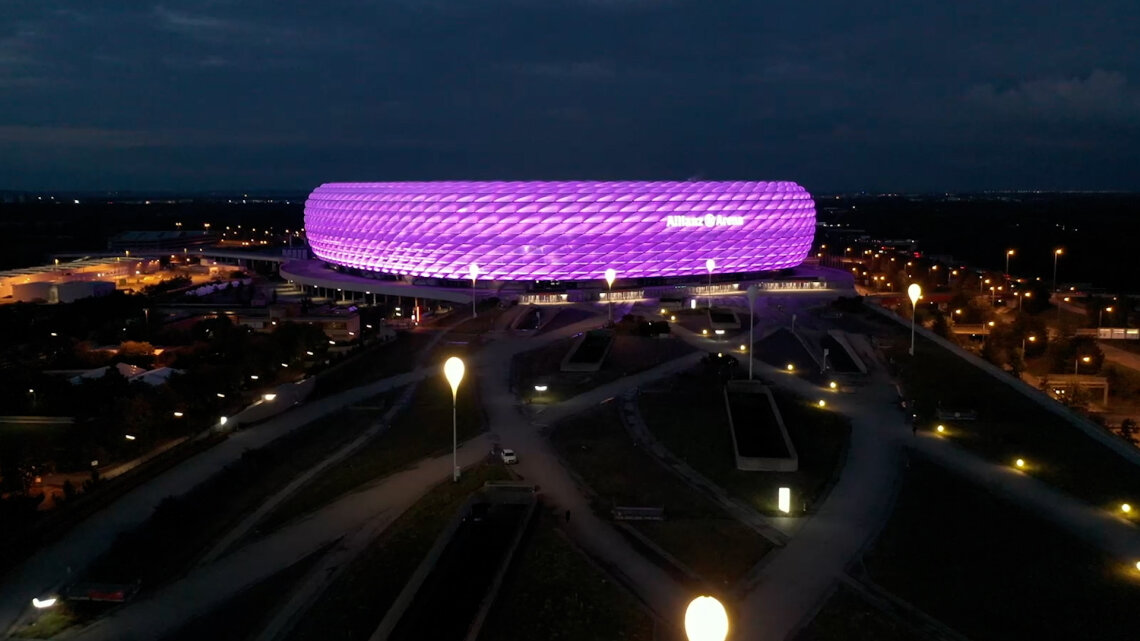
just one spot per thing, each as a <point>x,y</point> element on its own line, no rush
<point>420,430</point>
<point>357,600</point>
<point>553,592</point>
<point>695,530</point>
<point>782,347</point>
<point>48,623</point>
<point>163,547</point>
<point>629,355</point>
<point>686,412</point>
<point>243,616</point>
<point>1010,425</point>
<point>991,571</point>
<point>377,361</point>
<point>848,617</point>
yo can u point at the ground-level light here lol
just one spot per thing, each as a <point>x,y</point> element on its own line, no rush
<point>1020,463</point>
<point>40,604</point>
<point>941,429</point>
<point>744,348</point>
<point>178,415</point>
<point>833,385</point>
<point>1125,507</point>
<point>223,420</point>
<point>268,397</point>
<point>540,388</point>
<point>791,368</point>
<point>822,403</point>
<point>784,499</point>
<point>129,437</point>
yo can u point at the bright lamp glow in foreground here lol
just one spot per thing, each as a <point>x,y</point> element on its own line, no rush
<point>784,499</point>
<point>560,230</point>
<point>1125,507</point>
<point>1020,463</point>
<point>706,620</point>
<point>40,604</point>
<point>941,429</point>
<point>453,372</point>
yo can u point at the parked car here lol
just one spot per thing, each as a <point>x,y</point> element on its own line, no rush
<point>509,456</point>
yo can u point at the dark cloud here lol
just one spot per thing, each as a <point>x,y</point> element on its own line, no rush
<point>837,95</point>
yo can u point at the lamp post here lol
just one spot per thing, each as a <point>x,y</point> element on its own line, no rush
<point>453,371</point>
<point>706,620</point>
<point>1056,254</point>
<point>610,276</point>
<point>1076,363</point>
<point>474,271</point>
<point>914,292</point>
<point>710,265</point>
<point>1008,254</point>
<point>1100,315</point>
<point>1031,339</point>
<point>751,313</point>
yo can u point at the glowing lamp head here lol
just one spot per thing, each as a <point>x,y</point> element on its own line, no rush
<point>1020,463</point>
<point>473,269</point>
<point>1058,251</point>
<point>40,604</point>
<point>822,403</point>
<point>710,265</point>
<point>833,385</point>
<point>914,292</point>
<point>1126,508</point>
<point>791,367</point>
<point>611,276</point>
<point>706,620</point>
<point>941,429</point>
<point>453,372</point>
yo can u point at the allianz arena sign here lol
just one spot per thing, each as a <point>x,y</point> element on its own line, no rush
<point>708,220</point>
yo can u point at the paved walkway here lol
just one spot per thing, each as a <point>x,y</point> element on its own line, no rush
<point>374,508</point>
<point>539,464</point>
<point>52,566</point>
<point>1119,356</point>
<point>791,582</point>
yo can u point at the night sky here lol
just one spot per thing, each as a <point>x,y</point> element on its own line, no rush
<point>838,96</point>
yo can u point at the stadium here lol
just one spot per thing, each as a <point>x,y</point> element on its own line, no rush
<point>554,241</point>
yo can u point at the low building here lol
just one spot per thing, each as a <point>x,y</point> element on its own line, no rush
<point>66,292</point>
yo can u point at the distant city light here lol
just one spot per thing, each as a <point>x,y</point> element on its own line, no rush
<point>129,437</point>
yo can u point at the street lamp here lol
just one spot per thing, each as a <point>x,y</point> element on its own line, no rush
<point>1008,253</point>
<point>914,292</point>
<point>610,276</point>
<point>1076,363</point>
<point>1100,315</point>
<point>1031,339</point>
<point>706,620</point>
<point>473,269</point>
<point>710,265</point>
<point>751,312</point>
<point>453,371</point>
<point>1056,254</point>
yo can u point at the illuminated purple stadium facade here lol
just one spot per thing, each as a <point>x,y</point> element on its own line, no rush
<point>564,231</point>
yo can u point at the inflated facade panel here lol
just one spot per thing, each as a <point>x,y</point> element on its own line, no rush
<point>519,231</point>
